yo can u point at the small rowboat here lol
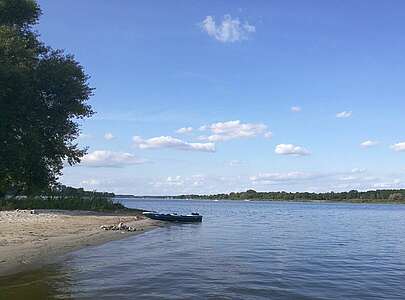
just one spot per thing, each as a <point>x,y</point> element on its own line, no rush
<point>194,217</point>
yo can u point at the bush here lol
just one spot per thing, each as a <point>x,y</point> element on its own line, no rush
<point>68,203</point>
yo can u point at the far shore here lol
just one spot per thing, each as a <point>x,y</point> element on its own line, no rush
<point>30,240</point>
<point>345,201</point>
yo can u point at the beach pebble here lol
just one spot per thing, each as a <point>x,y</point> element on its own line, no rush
<point>33,212</point>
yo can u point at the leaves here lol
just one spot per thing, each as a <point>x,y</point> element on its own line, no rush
<point>19,13</point>
<point>43,93</point>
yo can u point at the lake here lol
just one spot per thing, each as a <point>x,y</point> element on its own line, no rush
<point>241,250</point>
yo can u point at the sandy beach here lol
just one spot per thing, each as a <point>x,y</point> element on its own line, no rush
<point>29,240</point>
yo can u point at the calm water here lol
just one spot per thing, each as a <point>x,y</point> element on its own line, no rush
<point>242,250</point>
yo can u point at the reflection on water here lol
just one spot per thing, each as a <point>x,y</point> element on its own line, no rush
<point>46,283</point>
<point>242,250</point>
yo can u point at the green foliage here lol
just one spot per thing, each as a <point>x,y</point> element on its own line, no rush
<point>43,93</point>
<point>63,197</point>
<point>19,13</point>
<point>351,196</point>
<point>94,203</point>
<point>67,191</point>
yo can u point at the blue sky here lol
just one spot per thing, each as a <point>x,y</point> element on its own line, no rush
<point>280,95</point>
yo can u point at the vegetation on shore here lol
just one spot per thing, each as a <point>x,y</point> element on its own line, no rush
<point>67,198</point>
<point>93,203</point>
<point>374,196</point>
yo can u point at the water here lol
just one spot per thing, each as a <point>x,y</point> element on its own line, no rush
<point>242,250</point>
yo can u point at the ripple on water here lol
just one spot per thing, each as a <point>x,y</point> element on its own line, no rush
<point>242,250</point>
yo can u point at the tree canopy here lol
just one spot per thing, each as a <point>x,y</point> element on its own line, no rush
<point>43,94</point>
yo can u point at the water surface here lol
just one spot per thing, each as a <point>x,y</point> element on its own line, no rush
<point>242,250</point>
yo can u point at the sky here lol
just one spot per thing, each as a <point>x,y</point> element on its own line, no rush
<point>218,96</point>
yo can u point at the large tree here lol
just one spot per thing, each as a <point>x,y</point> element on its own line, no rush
<point>43,94</point>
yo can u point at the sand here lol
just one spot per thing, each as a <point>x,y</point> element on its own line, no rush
<point>30,240</point>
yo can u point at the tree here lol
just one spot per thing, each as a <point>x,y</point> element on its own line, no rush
<point>395,197</point>
<point>43,92</point>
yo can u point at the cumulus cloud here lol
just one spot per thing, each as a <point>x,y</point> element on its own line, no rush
<point>90,182</point>
<point>368,144</point>
<point>224,131</point>
<point>269,177</point>
<point>171,142</point>
<point>344,114</point>
<point>229,31</point>
<point>295,109</point>
<point>356,178</point>
<point>110,159</point>
<point>184,130</point>
<point>392,184</point>
<point>358,170</point>
<point>290,149</point>
<point>272,180</point>
<point>108,136</point>
<point>399,147</point>
<point>181,181</point>
<point>268,135</point>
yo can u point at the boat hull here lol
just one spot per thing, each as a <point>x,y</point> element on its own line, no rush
<point>174,218</point>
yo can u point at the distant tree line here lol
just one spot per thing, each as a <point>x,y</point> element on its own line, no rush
<point>353,195</point>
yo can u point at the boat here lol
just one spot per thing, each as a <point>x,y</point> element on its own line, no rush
<point>194,217</point>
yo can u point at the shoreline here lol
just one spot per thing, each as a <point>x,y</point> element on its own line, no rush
<point>348,201</point>
<point>29,241</point>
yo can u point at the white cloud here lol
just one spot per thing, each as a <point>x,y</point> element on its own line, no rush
<point>273,180</point>
<point>230,30</point>
<point>358,170</point>
<point>295,109</point>
<point>176,180</point>
<point>171,142</point>
<point>109,159</point>
<point>184,130</point>
<point>234,163</point>
<point>344,114</point>
<point>399,147</point>
<point>90,182</point>
<point>392,184</point>
<point>185,182</point>
<point>368,144</point>
<point>269,177</point>
<point>290,149</point>
<point>108,136</point>
<point>268,135</point>
<point>358,179</point>
<point>224,131</point>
